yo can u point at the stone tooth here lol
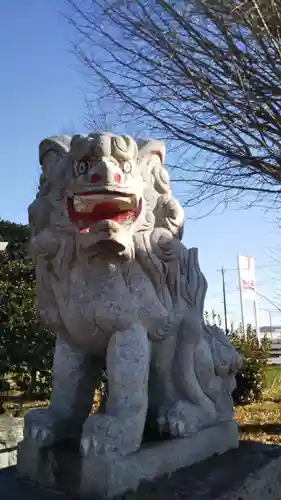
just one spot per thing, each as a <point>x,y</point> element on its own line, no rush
<point>86,203</point>
<point>125,204</point>
<point>92,197</point>
<point>81,204</point>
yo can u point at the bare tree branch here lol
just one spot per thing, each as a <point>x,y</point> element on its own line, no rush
<point>204,75</point>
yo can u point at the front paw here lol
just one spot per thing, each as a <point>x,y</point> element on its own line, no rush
<point>107,435</point>
<point>45,427</point>
<point>172,419</point>
<point>184,419</point>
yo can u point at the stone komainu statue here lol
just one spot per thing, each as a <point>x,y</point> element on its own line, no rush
<point>123,294</point>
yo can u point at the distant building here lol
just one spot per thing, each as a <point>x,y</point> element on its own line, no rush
<point>267,329</point>
<point>274,331</point>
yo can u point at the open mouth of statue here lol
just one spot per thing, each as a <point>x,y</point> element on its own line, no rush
<point>87,209</point>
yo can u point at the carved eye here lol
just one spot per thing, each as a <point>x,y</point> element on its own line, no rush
<point>82,167</point>
<point>127,167</point>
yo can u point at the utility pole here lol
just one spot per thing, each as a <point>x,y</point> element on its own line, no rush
<point>224,299</point>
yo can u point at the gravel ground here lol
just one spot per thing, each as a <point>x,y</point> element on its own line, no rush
<point>205,481</point>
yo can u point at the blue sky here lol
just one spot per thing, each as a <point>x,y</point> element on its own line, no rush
<point>43,92</point>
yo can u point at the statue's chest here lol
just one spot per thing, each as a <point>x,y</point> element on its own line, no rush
<point>109,297</point>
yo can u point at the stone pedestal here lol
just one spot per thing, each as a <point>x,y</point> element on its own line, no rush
<point>63,468</point>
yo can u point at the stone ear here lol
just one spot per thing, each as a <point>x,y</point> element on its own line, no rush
<point>57,145</point>
<point>153,154</point>
<point>170,215</point>
<point>152,149</point>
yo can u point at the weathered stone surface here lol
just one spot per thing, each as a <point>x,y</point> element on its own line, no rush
<point>263,484</point>
<point>250,472</point>
<point>123,294</point>
<point>61,467</point>
<point>11,433</point>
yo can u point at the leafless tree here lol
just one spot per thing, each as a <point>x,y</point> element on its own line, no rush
<point>204,75</point>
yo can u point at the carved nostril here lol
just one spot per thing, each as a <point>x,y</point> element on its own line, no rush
<point>95,178</point>
<point>117,178</point>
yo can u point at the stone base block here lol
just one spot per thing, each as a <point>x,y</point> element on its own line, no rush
<point>61,467</point>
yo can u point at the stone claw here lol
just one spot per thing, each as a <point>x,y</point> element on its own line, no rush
<point>45,428</point>
<point>178,419</point>
<point>87,442</point>
<point>177,428</point>
<point>41,436</point>
<point>35,432</point>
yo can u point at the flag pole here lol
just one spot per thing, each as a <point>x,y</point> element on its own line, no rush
<point>241,298</point>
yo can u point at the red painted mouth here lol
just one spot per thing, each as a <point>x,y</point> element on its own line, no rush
<point>86,209</point>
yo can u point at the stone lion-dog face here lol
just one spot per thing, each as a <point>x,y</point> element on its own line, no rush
<point>104,189</point>
<point>105,196</point>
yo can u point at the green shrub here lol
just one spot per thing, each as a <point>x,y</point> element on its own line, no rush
<point>26,349</point>
<point>251,377</point>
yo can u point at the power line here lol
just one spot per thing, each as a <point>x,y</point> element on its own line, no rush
<point>245,268</point>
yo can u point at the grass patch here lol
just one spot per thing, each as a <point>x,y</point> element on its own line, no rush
<point>262,421</point>
<point>272,391</point>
